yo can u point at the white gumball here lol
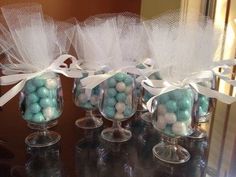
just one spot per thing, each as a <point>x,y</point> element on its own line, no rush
<point>83,98</point>
<point>179,128</point>
<point>51,83</point>
<point>119,116</point>
<point>128,90</point>
<point>48,112</point>
<point>120,107</point>
<point>161,123</point>
<point>161,109</point>
<point>94,100</point>
<point>170,118</point>
<point>120,86</point>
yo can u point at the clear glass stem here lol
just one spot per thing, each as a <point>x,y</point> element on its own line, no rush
<point>89,113</point>
<point>116,125</point>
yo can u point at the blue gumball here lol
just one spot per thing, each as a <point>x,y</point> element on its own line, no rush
<point>34,108</point>
<point>120,77</point>
<point>184,103</point>
<point>110,102</point>
<point>43,92</point>
<point>183,115</point>
<point>204,102</point>
<point>45,102</point>
<point>38,82</point>
<point>128,112</point>
<point>28,115</point>
<point>29,88</point>
<point>87,105</point>
<point>121,97</point>
<point>111,92</point>
<point>32,98</point>
<point>171,106</point>
<point>38,118</point>
<point>54,102</point>
<point>176,95</point>
<point>202,112</point>
<point>53,93</point>
<point>109,111</point>
<point>111,82</point>
<point>162,99</point>
<point>128,80</point>
<point>96,90</point>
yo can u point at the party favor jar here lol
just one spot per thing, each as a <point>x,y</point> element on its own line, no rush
<point>147,116</point>
<point>88,100</point>
<point>173,119</point>
<point>204,108</point>
<point>41,104</point>
<point>117,103</point>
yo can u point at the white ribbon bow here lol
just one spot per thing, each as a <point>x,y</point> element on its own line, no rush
<point>159,87</point>
<point>58,66</point>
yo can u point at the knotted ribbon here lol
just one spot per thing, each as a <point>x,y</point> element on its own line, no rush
<point>57,66</point>
<point>159,87</point>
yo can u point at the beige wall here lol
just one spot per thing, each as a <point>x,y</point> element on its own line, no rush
<point>152,8</point>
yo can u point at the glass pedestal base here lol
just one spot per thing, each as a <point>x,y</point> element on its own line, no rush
<point>89,122</point>
<point>198,134</point>
<point>171,153</point>
<point>116,134</point>
<point>147,117</point>
<point>42,139</point>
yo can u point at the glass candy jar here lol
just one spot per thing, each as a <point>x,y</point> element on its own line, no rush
<point>88,100</point>
<point>118,102</point>
<point>173,118</point>
<point>41,103</point>
<point>147,116</point>
<point>204,108</point>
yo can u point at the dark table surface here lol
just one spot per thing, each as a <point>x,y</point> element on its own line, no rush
<point>84,153</point>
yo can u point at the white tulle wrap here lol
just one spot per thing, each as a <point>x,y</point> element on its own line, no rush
<point>112,43</point>
<point>32,45</point>
<point>183,51</point>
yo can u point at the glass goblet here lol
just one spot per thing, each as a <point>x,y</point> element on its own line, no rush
<point>117,103</point>
<point>204,108</point>
<point>173,118</point>
<point>88,100</point>
<point>41,103</point>
<point>147,116</point>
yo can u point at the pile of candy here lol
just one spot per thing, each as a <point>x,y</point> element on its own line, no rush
<point>41,99</point>
<point>118,97</point>
<point>174,112</point>
<point>84,98</point>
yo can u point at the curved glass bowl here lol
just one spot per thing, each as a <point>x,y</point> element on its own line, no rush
<point>147,116</point>
<point>41,103</point>
<point>88,100</point>
<point>173,119</point>
<point>204,109</point>
<point>117,103</point>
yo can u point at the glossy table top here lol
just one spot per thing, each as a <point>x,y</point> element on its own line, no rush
<point>85,154</point>
<point>88,155</point>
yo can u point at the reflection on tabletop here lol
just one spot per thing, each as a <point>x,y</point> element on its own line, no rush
<point>95,157</point>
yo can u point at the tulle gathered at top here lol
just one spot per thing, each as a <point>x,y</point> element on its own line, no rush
<point>181,46</point>
<point>30,40</point>
<point>109,41</point>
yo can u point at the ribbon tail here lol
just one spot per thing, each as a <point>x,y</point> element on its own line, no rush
<point>213,94</point>
<point>12,92</point>
<point>12,79</point>
<point>149,104</point>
